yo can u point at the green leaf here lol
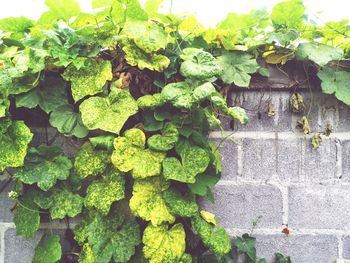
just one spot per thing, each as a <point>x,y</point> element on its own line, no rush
<point>68,122</point>
<point>90,162</point>
<point>17,25</point>
<point>214,237</point>
<point>130,155</point>
<point>61,203</point>
<point>179,203</point>
<point>166,141</point>
<point>63,9</point>
<point>279,258</point>
<point>111,237</point>
<point>148,36</point>
<point>44,165</point>
<point>237,67</point>
<point>318,53</point>
<point>199,65</point>
<point>27,217</point>
<point>110,113</point>
<point>14,139</point>
<point>234,112</point>
<point>203,184</point>
<point>208,217</point>
<point>137,57</point>
<point>103,192</point>
<point>150,101</point>
<point>195,160</point>
<point>336,82</point>
<point>183,95</point>
<point>148,203</point>
<point>90,79</point>
<point>179,94</point>
<point>246,244</point>
<point>134,10</point>
<point>86,254</point>
<point>162,244</point>
<point>288,14</point>
<point>103,142</point>
<point>151,123</point>
<point>49,95</point>
<point>48,250</point>
<point>152,6</point>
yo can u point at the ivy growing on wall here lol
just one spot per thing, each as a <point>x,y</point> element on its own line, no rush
<point>140,91</point>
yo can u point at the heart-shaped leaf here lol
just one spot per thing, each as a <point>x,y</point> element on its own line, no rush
<point>110,113</point>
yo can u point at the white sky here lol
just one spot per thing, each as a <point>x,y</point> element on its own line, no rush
<point>208,12</point>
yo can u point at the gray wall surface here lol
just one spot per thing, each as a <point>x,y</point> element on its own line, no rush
<point>271,172</point>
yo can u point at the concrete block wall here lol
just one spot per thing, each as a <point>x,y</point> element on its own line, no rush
<point>271,173</point>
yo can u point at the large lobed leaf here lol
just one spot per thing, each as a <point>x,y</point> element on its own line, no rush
<point>137,57</point>
<point>14,139</point>
<point>194,159</point>
<point>237,67</point>
<point>44,165</point>
<point>90,79</point>
<point>318,53</point>
<point>27,217</point>
<point>165,141</point>
<point>335,82</point>
<point>164,245</point>
<point>101,193</point>
<point>148,36</point>
<point>148,203</point>
<point>199,65</point>
<point>110,113</point>
<point>112,237</point>
<point>90,162</point>
<point>129,155</point>
<point>48,250</point>
<point>214,237</point>
<point>60,202</point>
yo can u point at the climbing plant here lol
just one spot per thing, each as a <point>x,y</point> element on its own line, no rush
<point>139,91</point>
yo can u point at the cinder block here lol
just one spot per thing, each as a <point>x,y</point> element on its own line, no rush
<point>289,160</point>
<point>319,207</point>
<point>6,204</point>
<point>237,206</point>
<point>256,103</point>
<point>343,120</point>
<point>228,150</point>
<point>300,248</point>
<point>320,164</point>
<point>346,247</point>
<point>345,145</point>
<point>21,250</point>
<point>259,159</point>
<point>321,110</point>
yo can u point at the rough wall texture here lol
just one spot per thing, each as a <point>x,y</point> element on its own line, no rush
<point>270,172</point>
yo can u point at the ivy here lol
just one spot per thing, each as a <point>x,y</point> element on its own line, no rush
<point>136,93</point>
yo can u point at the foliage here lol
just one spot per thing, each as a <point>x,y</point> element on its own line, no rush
<point>163,245</point>
<point>137,93</point>
<point>48,250</point>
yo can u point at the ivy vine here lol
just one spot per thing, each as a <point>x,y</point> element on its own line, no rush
<point>140,91</point>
